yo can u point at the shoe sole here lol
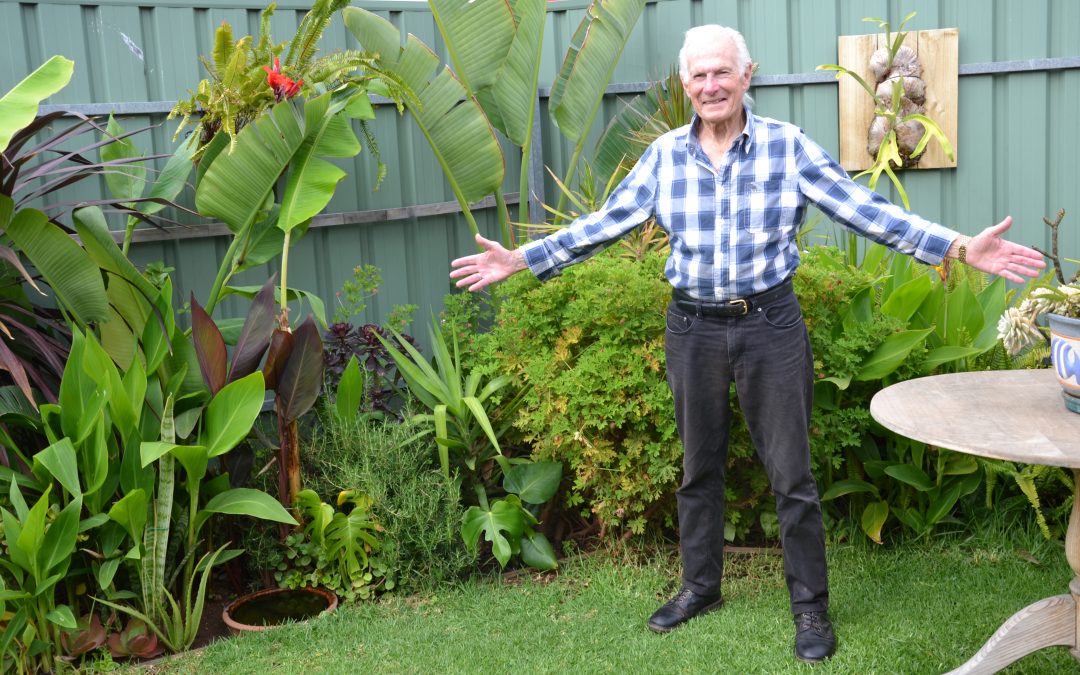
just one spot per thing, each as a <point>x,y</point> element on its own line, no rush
<point>708,608</point>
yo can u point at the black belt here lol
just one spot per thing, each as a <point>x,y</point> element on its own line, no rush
<point>736,307</point>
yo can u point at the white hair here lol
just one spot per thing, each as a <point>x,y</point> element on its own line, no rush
<point>700,39</point>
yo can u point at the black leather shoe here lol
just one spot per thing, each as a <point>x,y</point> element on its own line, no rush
<point>814,637</point>
<point>684,606</point>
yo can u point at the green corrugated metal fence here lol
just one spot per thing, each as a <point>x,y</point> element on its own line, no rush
<point>1018,139</point>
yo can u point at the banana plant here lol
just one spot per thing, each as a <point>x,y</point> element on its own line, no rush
<point>502,70</point>
<point>578,91</point>
<point>447,114</point>
<point>292,139</point>
<point>495,50</point>
<point>293,370</point>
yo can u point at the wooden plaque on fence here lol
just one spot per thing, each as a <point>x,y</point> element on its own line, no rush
<point>938,54</point>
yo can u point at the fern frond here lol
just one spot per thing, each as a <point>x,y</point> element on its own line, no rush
<point>223,49</point>
<point>1025,480</point>
<point>337,67</point>
<point>373,146</point>
<point>312,26</point>
<point>264,28</point>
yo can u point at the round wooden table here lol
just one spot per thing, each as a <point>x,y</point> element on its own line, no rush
<point>1015,415</point>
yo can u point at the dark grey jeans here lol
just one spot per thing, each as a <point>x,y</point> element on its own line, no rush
<point>767,354</point>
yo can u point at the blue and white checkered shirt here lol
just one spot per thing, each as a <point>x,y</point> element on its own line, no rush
<point>732,227</point>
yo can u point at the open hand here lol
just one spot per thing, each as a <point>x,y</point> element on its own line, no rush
<point>988,252</point>
<point>493,265</point>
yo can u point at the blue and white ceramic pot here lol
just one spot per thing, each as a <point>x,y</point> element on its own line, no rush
<point>1065,354</point>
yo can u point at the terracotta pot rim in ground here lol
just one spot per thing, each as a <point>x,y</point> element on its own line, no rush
<point>237,627</point>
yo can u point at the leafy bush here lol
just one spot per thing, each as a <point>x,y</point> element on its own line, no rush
<point>591,346</point>
<point>420,511</point>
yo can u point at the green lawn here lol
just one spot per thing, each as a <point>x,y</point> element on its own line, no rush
<point>920,608</point>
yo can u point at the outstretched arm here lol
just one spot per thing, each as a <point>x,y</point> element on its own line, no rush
<point>493,265</point>
<point>989,253</point>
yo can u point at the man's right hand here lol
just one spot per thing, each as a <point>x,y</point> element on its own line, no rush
<point>493,265</point>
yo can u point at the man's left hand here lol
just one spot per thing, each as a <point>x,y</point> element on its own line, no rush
<point>989,253</point>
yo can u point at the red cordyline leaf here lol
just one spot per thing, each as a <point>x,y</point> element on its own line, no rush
<point>280,347</point>
<point>209,347</point>
<point>301,380</point>
<point>256,333</point>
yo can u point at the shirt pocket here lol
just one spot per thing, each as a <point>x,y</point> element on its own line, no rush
<point>768,206</point>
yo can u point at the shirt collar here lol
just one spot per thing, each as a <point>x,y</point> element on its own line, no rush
<point>747,135</point>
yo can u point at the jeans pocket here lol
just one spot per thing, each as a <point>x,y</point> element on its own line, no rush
<point>784,314</point>
<point>678,321</point>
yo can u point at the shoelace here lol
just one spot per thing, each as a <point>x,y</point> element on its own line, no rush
<point>814,621</point>
<point>683,594</point>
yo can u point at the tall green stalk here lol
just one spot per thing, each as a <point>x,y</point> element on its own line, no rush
<point>156,538</point>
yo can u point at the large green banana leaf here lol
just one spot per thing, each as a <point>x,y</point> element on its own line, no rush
<point>19,106</point>
<point>453,122</point>
<point>590,62</point>
<point>237,184</point>
<point>495,48</point>
<point>74,278</point>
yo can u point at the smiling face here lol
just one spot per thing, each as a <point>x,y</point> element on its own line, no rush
<point>716,85</point>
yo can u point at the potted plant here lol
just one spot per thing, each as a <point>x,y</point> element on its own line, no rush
<point>1020,327</point>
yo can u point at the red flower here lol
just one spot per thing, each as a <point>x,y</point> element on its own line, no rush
<point>281,84</point>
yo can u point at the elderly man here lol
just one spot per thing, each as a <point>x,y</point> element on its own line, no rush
<point>730,190</point>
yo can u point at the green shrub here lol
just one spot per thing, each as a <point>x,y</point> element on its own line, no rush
<point>591,345</point>
<point>420,511</point>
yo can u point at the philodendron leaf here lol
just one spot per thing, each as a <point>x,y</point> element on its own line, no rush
<point>536,551</point>
<point>535,482</point>
<point>505,516</point>
<point>232,413</point>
